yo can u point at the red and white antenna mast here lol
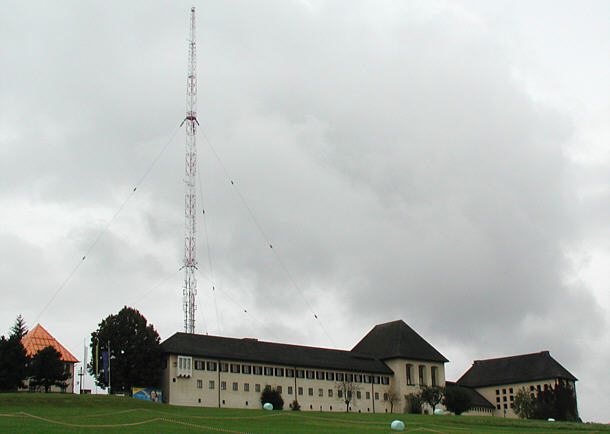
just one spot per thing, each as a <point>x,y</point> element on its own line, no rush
<point>189,291</point>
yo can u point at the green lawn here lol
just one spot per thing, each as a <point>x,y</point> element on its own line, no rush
<point>32,412</point>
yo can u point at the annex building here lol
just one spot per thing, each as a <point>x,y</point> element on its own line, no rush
<point>498,380</point>
<point>212,371</point>
<point>37,339</point>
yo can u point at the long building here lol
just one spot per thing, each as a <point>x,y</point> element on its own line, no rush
<point>391,361</point>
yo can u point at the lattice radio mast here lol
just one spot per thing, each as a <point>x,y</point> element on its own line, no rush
<point>189,291</point>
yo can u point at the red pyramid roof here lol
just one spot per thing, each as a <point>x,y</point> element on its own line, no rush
<point>38,338</point>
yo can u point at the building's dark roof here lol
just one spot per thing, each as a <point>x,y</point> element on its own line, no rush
<point>394,340</point>
<point>515,369</point>
<point>252,350</point>
<point>477,400</point>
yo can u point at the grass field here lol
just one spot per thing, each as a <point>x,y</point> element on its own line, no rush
<point>59,413</point>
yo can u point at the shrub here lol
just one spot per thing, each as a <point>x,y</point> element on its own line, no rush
<point>273,397</point>
<point>295,406</point>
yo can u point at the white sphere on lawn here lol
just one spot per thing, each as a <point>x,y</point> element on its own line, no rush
<point>268,406</point>
<point>397,425</point>
<point>438,411</point>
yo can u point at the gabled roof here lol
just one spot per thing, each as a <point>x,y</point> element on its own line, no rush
<point>396,340</point>
<point>514,369</point>
<point>38,338</point>
<point>477,400</point>
<point>255,351</point>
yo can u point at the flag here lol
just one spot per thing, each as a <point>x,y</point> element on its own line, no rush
<point>106,362</point>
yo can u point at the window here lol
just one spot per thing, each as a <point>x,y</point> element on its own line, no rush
<point>224,367</point>
<point>512,398</point>
<point>498,406</point>
<point>234,368</point>
<point>319,375</point>
<point>211,384</point>
<point>358,378</point>
<point>339,393</point>
<point>246,387</point>
<point>330,393</point>
<point>257,388</point>
<point>300,390</point>
<point>235,387</point>
<point>268,370</point>
<point>330,376</point>
<point>199,384</point>
<point>409,374</point>
<point>367,378</point>
<point>510,390</point>
<point>377,396</point>
<point>368,395</point>
<point>503,391</point>
<point>385,396</point>
<point>211,366</point>
<point>320,392</point>
<point>498,391</point>
<point>310,374</point>
<point>289,390</point>
<point>434,375</point>
<point>385,380</point>
<point>339,376</point>
<point>504,398</point>
<point>223,385</point>
<point>310,391</point>
<point>531,388</point>
<point>199,365</point>
<point>349,377</point>
<point>279,372</point>
<point>505,406</point>
<point>245,369</point>
<point>300,373</point>
<point>184,366</point>
<point>258,370</point>
<point>279,389</point>
<point>289,372</point>
<point>497,399</point>
<point>358,394</point>
<point>377,379</point>
<point>422,375</point>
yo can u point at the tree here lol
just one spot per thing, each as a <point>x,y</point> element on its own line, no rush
<point>135,353</point>
<point>272,396</point>
<point>393,398</point>
<point>19,329</point>
<point>47,369</point>
<point>523,404</point>
<point>558,403</point>
<point>13,358</point>
<point>432,396</point>
<point>345,392</point>
<point>457,399</point>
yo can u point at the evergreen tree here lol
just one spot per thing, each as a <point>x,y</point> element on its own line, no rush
<point>558,403</point>
<point>272,396</point>
<point>47,369</point>
<point>135,352</point>
<point>457,399</point>
<point>13,358</point>
<point>19,329</point>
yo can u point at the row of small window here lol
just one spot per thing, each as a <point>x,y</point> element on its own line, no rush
<point>300,390</point>
<point>498,406</point>
<point>236,368</point>
<point>421,371</point>
<point>510,390</point>
<point>504,398</point>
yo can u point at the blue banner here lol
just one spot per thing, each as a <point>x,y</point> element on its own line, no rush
<point>106,362</point>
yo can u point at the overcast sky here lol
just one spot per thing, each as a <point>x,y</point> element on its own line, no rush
<point>444,163</point>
